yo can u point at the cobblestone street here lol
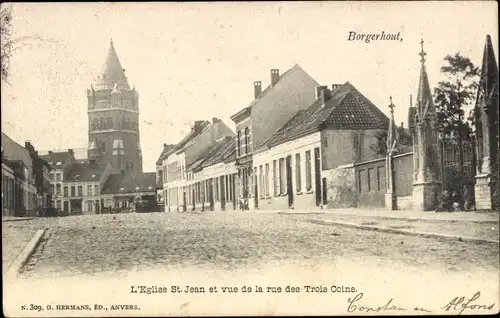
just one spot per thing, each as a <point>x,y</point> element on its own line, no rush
<point>229,240</point>
<point>14,238</point>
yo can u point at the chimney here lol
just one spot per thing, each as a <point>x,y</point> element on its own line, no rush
<point>335,86</point>
<point>257,88</point>
<point>197,125</point>
<point>29,146</point>
<point>275,76</point>
<point>215,120</point>
<point>71,152</point>
<point>321,92</point>
<point>50,152</point>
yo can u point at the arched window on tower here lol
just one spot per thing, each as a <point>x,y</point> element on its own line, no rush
<point>101,123</point>
<point>109,123</point>
<point>94,124</point>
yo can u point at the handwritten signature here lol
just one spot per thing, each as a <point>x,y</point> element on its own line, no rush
<point>354,306</point>
<point>457,304</point>
<point>461,304</point>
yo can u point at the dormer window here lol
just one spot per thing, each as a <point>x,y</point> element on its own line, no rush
<point>122,189</point>
<point>93,176</point>
<point>150,187</point>
<point>58,163</point>
<point>137,188</point>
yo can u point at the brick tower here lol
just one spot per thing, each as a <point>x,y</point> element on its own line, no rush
<point>113,114</point>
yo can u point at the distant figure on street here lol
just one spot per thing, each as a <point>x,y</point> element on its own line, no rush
<point>444,202</point>
<point>468,198</point>
<point>456,199</point>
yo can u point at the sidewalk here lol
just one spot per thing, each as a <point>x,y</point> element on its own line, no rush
<point>478,217</point>
<point>16,218</point>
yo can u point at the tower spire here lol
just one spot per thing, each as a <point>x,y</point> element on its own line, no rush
<point>112,71</point>
<point>422,52</point>
<point>426,155</point>
<point>425,106</point>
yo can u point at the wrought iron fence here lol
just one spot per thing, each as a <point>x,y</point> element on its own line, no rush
<point>458,159</point>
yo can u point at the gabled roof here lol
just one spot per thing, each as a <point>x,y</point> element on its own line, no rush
<point>212,151</point>
<point>263,93</point>
<point>346,109</point>
<point>226,146</point>
<point>81,172</point>
<point>167,150</point>
<point>119,183</point>
<point>195,132</point>
<point>54,157</point>
<point>13,151</point>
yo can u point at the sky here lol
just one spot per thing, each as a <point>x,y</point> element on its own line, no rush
<point>195,61</point>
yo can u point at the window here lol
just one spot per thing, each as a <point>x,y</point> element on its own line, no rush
<point>238,145</point>
<point>97,190</point>
<point>58,189</point>
<point>247,140</point>
<point>216,192</point>
<point>73,192</point>
<point>275,177</point>
<point>282,176</point>
<point>261,181</point>
<point>298,179</point>
<point>266,180</point>
<point>308,171</point>
<point>90,205</point>
<point>58,177</point>
<point>58,205</point>
<point>65,191</point>
<point>52,176</point>
<point>80,191</point>
<point>89,190</point>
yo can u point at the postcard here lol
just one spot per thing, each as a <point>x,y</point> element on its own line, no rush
<point>250,158</point>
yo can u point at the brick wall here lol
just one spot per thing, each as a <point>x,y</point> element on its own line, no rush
<point>371,185</point>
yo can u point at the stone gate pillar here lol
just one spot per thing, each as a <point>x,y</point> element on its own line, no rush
<point>392,148</point>
<point>486,180</point>
<point>427,158</point>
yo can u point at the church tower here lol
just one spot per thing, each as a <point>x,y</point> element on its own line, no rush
<point>113,114</point>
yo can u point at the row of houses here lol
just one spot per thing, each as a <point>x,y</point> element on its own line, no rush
<point>26,187</point>
<point>87,186</point>
<point>289,141</point>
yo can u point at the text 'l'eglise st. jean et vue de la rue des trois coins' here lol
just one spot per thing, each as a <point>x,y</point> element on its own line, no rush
<point>143,289</point>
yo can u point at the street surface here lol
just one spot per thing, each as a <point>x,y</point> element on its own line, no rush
<point>229,240</point>
<point>88,260</point>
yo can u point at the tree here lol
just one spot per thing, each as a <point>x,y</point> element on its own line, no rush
<point>454,95</point>
<point>5,40</point>
<point>380,146</point>
<point>10,44</point>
